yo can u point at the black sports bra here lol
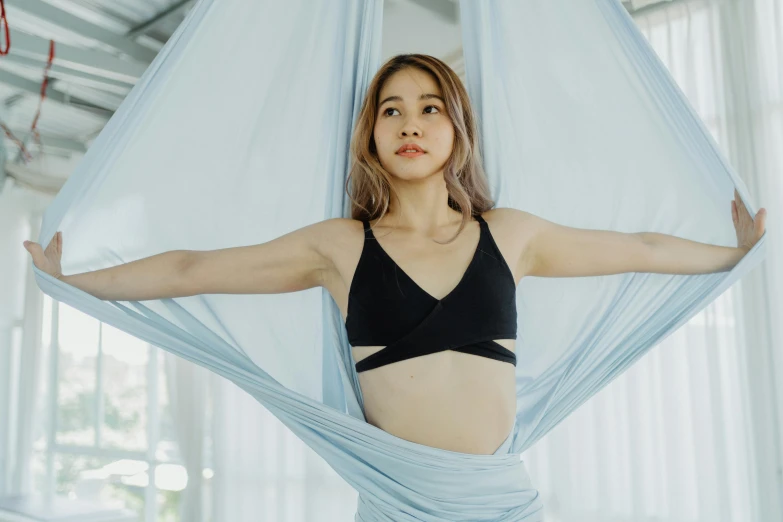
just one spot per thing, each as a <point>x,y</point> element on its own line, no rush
<point>387,308</point>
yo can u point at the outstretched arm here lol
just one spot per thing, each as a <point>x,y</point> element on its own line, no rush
<point>292,262</point>
<point>554,250</point>
<point>295,261</point>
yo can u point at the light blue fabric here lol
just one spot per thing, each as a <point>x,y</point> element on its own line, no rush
<point>238,133</point>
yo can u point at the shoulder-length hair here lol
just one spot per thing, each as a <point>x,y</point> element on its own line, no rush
<point>370,184</point>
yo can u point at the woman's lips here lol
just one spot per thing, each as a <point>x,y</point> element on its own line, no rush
<point>410,154</point>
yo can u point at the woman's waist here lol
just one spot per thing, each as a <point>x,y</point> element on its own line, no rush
<point>455,402</point>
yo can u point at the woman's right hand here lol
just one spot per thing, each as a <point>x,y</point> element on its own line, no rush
<point>47,260</point>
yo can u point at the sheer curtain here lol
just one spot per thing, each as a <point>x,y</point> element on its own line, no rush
<point>767,31</point>
<point>187,387</point>
<point>21,351</point>
<point>690,433</point>
<point>264,472</point>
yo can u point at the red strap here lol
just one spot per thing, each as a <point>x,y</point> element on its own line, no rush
<point>16,140</point>
<point>4,26</point>
<point>33,128</point>
<point>44,84</point>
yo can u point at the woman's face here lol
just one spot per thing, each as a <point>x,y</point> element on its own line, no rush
<point>411,110</point>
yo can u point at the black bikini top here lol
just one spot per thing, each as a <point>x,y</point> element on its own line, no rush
<point>387,308</point>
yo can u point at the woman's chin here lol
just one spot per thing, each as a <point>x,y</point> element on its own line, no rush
<point>414,176</point>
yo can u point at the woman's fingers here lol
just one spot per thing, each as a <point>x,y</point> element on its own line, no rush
<point>35,252</point>
<point>51,246</point>
<point>761,220</point>
<point>55,245</point>
<point>740,212</point>
<point>40,255</point>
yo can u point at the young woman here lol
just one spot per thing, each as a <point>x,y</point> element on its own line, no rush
<point>425,271</point>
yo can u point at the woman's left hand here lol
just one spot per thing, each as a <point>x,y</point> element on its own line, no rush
<point>749,230</point>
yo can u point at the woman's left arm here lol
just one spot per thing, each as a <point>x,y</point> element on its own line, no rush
<point>553,250</point>
<point>673,255</point>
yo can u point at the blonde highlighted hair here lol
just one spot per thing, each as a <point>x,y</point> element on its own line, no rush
<point>369,185</point>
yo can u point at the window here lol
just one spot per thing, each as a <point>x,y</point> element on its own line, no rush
<point>107,425</point>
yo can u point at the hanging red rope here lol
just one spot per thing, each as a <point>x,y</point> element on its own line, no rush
<point>17,141</point>
<point>6,35</point>
<point>4,29</point>
<point>34,127</point>
<point>44,84</point>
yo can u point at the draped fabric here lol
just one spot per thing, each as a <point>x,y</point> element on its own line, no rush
<point>593,133</point>
<point>680,434</point>
<point>580,124</point>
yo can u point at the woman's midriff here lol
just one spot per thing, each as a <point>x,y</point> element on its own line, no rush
<point>448,400</point>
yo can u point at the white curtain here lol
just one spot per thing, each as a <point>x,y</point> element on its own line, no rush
<point>691,432</point>
<point>264,472</point>
<point>21,352</point>
<point>186,384</point>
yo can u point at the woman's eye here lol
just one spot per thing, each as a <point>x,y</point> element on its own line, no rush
<point>386,111</point>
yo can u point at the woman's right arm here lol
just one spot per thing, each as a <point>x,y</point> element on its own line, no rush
<point>292,262</point>
<point>154,277</point>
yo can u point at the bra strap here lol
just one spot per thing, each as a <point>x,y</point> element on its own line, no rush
<point>367,230</point>
<point>480,220</point>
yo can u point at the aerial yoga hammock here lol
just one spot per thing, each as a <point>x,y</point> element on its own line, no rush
<point>581,125</point>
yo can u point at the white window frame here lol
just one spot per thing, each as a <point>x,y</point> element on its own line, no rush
<point>153,419</point>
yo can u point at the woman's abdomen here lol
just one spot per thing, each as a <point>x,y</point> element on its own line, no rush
<point>448,400</point>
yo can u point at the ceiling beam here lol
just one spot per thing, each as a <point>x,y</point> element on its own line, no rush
<point>33,179</point>
<point>84,28</point>
<point>13,100</point>
<point>446,9</point>
<point>98,63</point>
<point>74,76</point>
<point>651,8</point>
<point>146,26</point>
<point>55,142</point>
<point>99,106</point>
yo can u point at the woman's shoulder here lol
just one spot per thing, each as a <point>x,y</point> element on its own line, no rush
<point>338,235</point>
<point>341,241</point>
<point>512,230</point>
<point>338,230</point>
<point>339,224</point>
<point>506,217</point>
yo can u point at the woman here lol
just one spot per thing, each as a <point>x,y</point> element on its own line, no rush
<point>426,266</point>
